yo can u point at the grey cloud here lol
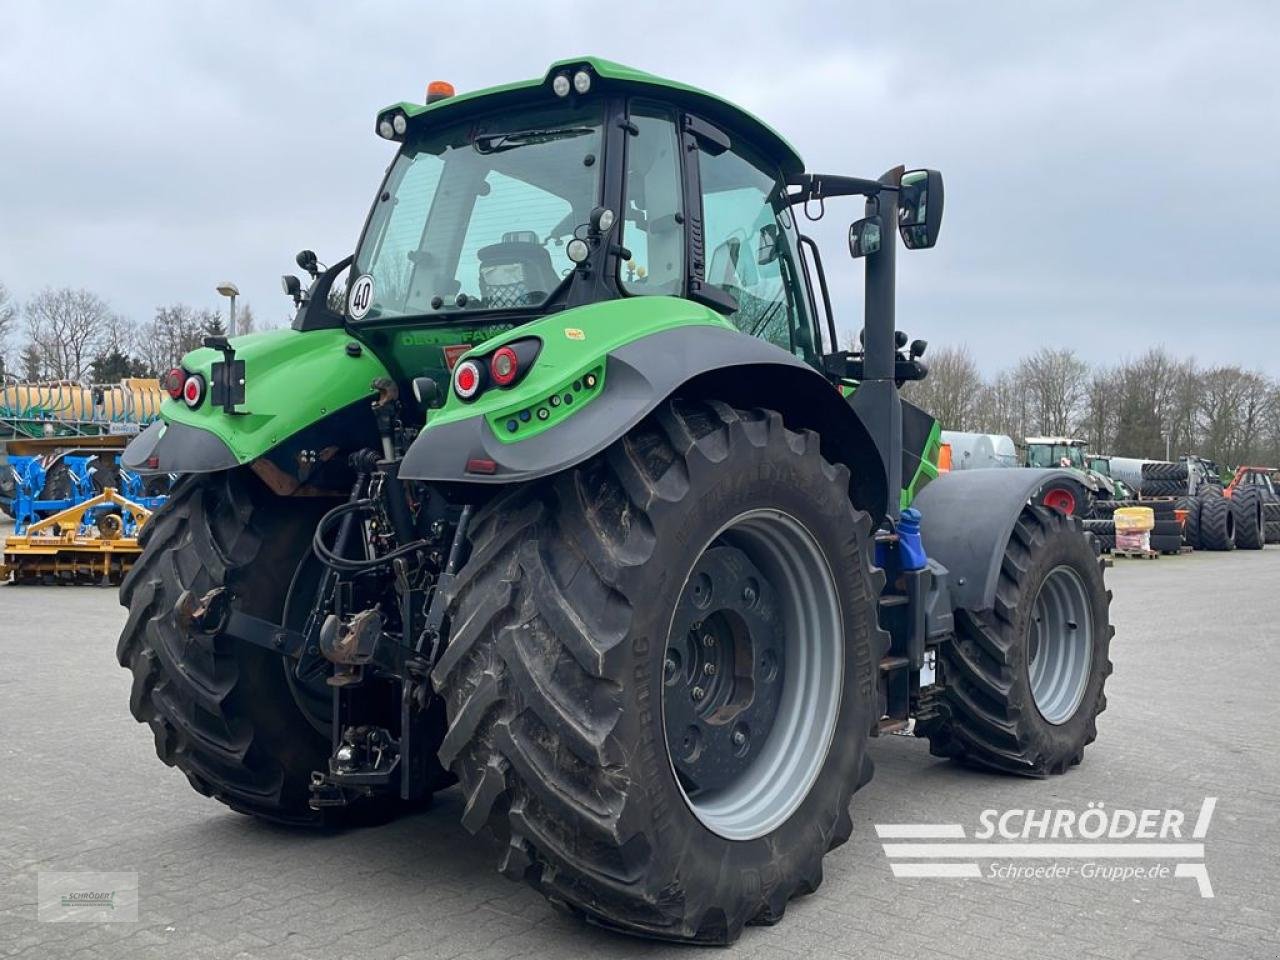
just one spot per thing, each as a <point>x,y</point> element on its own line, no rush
<point>1113,170</point>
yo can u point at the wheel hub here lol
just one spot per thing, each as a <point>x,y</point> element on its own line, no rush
<point>723,672</point>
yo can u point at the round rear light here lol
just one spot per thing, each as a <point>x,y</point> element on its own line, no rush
<point>466,379</point>
<point>504,366</point>
<point>173,381</point>
<point>193,390</point>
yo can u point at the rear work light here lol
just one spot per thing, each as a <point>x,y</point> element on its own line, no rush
<point>173,381</point>
<point>193,390</point>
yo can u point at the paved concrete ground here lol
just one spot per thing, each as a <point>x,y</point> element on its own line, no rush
<point>1192,714</point>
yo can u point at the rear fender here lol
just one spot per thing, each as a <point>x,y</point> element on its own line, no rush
<point>967,517</point>
<point>649,349</point>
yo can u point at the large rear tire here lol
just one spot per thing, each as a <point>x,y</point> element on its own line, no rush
<point>1217,524</point>
<point>1022,684</point>
<point>221,710</point>
<point>1246,504</point>
<point>579,626</point>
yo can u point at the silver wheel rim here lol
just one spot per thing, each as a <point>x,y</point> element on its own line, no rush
<point>789,758</point>
<point>1060,645</point>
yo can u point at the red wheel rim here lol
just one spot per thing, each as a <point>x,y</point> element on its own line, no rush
<point>1060,499</point>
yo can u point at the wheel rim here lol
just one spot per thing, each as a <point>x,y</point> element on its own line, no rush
<point>1061,500</point>
<point>1060,645</point>
<point>747,738</point>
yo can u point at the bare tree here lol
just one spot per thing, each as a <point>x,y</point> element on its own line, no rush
<point>952,390</point>
<point>69,328</point>
<point>8,323</point>
<point>1056,384</point>
<point>173,331</point>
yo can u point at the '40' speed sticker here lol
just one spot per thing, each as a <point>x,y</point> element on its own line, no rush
<point>361,297</point>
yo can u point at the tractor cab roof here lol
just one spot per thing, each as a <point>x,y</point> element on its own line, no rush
<point>609,76</point>
<point>1055,441</point>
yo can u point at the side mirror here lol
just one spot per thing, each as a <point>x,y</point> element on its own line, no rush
<point>767,246</point>
<point>306,259</point>
<point>864,237</point>
<point>920,208</point>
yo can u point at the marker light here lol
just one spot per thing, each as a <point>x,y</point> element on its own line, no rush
<point>385,130</point>
<point>193,390</point>
<point>467,378</point>
<point>399,123</point>
<point>439,90</point>
<point>504,366</point>
<point>582,81</point>
<point>173,381</point>
<point>560,85</point>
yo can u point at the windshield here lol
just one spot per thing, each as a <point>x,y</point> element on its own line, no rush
<point>475,216</point>
<point>1056,455</point>
<point>1100,465</point>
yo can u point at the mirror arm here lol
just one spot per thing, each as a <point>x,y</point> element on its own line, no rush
<point>816,186</point>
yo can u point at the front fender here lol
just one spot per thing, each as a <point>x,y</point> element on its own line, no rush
<point>966,519</point>
<point>292,380</point>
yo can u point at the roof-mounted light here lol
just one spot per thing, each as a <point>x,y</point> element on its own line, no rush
<point>385,130</point>
<point>561,85</point>
<point>439,90</point>
<point>582,81</point>
<point>399,123</point>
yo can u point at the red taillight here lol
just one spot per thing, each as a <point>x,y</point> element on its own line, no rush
<point>173,381</point>
<point>482,465</point>
<point>193,390</point>
<point>504,366</point>
<point>466,379</point>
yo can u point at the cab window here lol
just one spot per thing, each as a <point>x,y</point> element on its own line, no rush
<point>653,229</point>
<point>750,251</point>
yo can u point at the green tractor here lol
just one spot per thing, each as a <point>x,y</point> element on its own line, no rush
<point>572,498</point>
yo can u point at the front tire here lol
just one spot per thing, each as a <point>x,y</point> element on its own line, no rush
<point>221,711</point>
<point>1022,683</point>
<point>559,676</point>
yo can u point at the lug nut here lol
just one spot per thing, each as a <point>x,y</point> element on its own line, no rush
<point>698,693</point>
<point>669,668</point>
<point>749,595</point>
<point>739,738</point>
<point>709,669</point>
<point>708,640</point>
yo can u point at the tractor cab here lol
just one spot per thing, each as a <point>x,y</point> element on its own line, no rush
<point>1056,452</point>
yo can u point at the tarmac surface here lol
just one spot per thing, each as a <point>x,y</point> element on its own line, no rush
<point>1192,714</point>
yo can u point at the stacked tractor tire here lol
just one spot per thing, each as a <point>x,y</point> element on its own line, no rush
<point>1164,480</point>
<point>1247,520</point>
<point>1166,536</point>
<point>1271,518</point>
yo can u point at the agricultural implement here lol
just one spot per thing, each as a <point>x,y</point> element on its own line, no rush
<point>93,541</point>
<point>75,509</point>
<point>574,499</point>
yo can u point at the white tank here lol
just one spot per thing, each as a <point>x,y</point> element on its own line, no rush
<point>1128,470</point>
<point>980,451</point>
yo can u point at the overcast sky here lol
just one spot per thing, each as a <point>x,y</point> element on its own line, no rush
<point>1112,169</point>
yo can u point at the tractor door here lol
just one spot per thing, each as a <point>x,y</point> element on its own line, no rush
<point>753,250</point>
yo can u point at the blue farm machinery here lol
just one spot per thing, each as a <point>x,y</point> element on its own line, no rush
<point>76,511</point>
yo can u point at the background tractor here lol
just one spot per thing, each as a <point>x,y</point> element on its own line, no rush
<point>573,497</point>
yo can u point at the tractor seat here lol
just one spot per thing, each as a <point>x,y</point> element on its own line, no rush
<point>516,272</point>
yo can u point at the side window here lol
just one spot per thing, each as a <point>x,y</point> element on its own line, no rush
<point>749,250</point>
<point>652,228</point>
